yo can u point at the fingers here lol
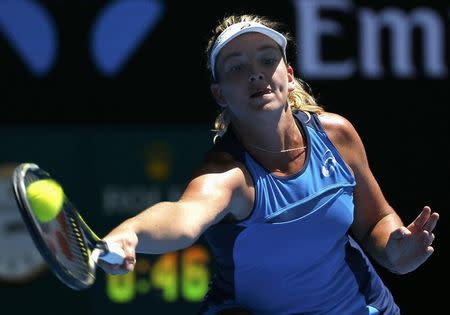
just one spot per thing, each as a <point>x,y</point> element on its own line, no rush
<point>129,263</point>
<point>130,258</point>
<point>426,220</point>
<point>428,238</point>
<point>431,223</point>
<point>421,219</point>
<point>118,269</point>
<point>121,266</point>
<point>115,269</point>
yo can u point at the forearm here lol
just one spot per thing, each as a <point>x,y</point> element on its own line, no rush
<point>160,228</point>
<point>376,241</point>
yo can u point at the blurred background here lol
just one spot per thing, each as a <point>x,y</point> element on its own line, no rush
<point>112,98</point>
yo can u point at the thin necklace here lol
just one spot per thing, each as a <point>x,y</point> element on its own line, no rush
<point>280,151</point>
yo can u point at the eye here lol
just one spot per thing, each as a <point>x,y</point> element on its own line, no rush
<point>269,61</point>
<point>235,68</point>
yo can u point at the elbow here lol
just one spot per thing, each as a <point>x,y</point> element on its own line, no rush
<point>186,236</point>
<point>181,241</point>
<point>192,233</point>
<point>193,227</point>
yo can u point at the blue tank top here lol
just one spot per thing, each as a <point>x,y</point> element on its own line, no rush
<point>293,254</point>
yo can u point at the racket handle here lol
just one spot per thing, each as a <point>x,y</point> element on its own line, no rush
<point>109,252</point>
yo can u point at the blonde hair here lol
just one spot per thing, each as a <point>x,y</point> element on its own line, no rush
<point>300,99</point>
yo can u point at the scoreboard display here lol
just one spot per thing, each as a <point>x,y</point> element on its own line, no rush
<point>176,277</point>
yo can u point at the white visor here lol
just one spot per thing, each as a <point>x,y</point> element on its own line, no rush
<point>240,28</point>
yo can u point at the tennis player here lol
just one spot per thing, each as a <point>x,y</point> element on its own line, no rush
<point>285,197</point>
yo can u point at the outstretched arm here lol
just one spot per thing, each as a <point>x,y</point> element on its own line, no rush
<point>377,227</point>
<point>169,226</point>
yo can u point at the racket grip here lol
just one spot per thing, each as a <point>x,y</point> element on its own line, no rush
<point>109,252</point>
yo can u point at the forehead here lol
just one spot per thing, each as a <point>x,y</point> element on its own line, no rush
<point>247,41</point>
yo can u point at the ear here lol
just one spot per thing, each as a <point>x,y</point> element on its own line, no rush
<point>291,79</point>
<point>218,95</point>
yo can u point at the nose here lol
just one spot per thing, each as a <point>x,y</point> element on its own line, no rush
<point>255,77</point>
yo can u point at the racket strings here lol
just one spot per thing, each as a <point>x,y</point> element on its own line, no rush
<point>80,265</point>
<point>79,238</point>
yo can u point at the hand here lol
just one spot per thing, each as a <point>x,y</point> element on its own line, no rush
<point>409,247</point>
<point>127,240</point>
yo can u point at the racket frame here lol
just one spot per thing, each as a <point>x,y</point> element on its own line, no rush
<point>89,238</point>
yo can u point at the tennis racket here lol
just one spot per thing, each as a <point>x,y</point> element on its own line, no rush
<point>68,245</point>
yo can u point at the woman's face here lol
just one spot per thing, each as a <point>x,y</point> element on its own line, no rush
<point>252,76</point>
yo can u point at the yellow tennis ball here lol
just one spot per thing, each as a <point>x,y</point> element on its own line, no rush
<point>46,198</point>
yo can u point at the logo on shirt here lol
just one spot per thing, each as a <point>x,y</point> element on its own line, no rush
<point>328,164</point>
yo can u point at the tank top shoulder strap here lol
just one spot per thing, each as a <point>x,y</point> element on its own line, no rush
<point>309,119</point>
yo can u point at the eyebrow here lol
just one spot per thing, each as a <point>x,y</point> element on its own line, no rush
<point>237,54</point>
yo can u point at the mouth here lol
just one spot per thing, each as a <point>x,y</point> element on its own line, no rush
<point>261,93</point>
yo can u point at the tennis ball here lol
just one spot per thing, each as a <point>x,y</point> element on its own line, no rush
<point>46,198</point>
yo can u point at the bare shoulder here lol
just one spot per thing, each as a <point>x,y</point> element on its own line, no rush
<point>339,129</point>
<point>221,163</point>
<point>345,138</point>
<point>225,178</point>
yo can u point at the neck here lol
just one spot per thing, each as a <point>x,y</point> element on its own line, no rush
<point>277,136</point>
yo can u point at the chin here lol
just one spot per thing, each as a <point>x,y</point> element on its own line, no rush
<point>266,105</point>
